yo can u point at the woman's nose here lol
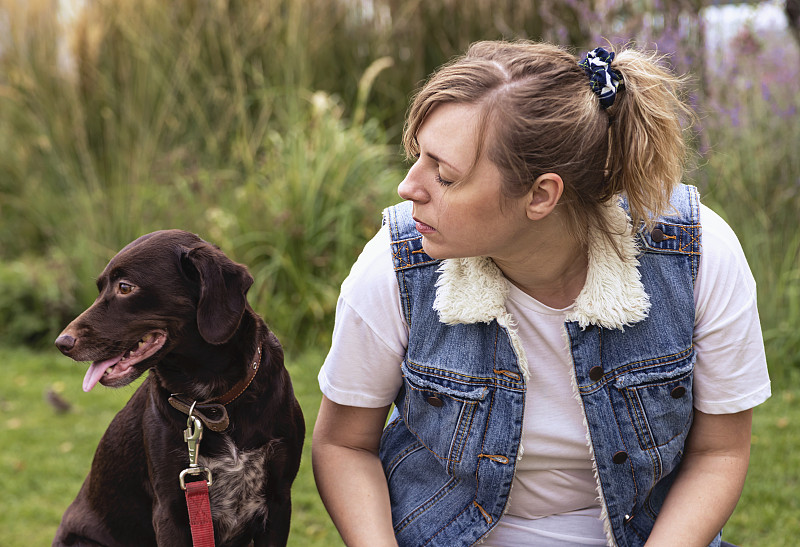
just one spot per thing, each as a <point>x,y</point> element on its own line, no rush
<point>412,188</point>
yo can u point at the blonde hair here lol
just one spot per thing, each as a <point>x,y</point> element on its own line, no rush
<point>543,117</point>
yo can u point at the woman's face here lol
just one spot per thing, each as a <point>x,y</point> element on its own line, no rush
<point>464,219</point>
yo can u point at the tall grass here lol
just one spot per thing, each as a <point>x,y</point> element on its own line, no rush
<point>270,128</point>
<point>751,176</point>
<point>190,116</point>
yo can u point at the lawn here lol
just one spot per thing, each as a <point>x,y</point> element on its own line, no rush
<point>46,454</point>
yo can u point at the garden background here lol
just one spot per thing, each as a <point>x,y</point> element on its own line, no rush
<point>271,128</point>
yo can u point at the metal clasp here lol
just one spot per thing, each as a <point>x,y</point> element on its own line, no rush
<point>193,434</point>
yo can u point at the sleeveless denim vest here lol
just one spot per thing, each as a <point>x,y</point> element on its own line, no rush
<point>450,450</point>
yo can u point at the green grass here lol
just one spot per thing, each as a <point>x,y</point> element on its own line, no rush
<point>45,456</point>
<point>769,511</point>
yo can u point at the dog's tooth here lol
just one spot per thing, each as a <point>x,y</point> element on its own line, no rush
<point>146,338</point>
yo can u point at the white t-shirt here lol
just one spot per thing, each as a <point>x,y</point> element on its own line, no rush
<point>554,498</point>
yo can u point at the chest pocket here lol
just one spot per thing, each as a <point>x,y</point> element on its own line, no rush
<point>659,401</point>
<point>441,413</point>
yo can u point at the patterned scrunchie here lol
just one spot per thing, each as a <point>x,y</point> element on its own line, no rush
<point>603,79</point>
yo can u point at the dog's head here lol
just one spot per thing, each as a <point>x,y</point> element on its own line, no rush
<point>165,288</point>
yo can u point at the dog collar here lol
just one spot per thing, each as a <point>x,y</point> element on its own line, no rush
<point>213,412</point>
<point>233,393</point>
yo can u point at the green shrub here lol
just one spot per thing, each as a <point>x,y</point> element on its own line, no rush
<point>751,176</point>
<point>268,127</point>
<point>192,116</point>
<point>35,301</point>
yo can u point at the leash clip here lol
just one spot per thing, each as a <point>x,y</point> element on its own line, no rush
<point>193,434</point>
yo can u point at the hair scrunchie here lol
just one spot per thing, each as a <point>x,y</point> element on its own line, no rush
<point>603,79</point>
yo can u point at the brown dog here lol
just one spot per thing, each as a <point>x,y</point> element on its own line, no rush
<point>174,304</point>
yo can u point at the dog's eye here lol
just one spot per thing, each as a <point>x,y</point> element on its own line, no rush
<point>124,288</point>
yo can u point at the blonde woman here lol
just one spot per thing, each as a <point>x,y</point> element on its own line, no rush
<point>570,339</point>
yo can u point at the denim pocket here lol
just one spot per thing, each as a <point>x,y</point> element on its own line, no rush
<point>659,401</point>
<point>440,412</point>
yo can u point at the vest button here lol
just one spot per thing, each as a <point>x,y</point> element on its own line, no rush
<point>595,373</point>
<point>678,392</point>
<point>657,235</point>
<point>434,401</point>
<point>619,457</point>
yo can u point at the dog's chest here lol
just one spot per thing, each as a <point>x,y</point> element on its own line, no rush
<point>238,492</point>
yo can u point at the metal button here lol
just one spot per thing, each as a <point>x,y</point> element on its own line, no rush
<point>627,519</point>
<point>678,392</point>
<point>657,235</point>
<point>434,401</point>
<point>619,457</point>
<point>595,373</point>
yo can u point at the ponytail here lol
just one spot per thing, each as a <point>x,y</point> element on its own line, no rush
<point>647,150</point>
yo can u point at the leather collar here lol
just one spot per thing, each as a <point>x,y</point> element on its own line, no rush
<point>233,393</point>
<point>212,412</point>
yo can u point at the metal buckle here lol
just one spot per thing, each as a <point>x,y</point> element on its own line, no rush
<point>195,471</point>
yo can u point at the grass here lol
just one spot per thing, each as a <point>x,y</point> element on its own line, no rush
<point>769,512</point>
<point>46,455</point>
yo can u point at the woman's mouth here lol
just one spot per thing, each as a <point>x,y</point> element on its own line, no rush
<point>424,228</point>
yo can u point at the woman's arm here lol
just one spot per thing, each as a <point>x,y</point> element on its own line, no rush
<point>709,482</point>
<point>349,475</point>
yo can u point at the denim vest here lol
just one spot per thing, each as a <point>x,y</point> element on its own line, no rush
<point>451,447</point>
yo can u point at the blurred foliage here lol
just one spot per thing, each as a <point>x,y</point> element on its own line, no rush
<point>36,298</point>
<point>751,176</point>
<point>270,128</point>
<point>190,115</point>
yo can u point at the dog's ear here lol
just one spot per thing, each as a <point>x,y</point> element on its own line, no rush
<point>223,290</point>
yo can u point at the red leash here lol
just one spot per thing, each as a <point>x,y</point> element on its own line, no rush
<point>200,514</point>
<point>197,500</point>
<point>197,491</point>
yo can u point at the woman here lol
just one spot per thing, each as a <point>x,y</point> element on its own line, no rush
<point>571,340</point>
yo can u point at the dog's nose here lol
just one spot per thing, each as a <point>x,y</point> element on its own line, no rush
<point>65,343</point>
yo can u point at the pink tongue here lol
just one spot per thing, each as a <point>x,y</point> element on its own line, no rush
<point>96,371</point>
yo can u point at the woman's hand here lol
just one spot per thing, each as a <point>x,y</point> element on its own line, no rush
<point>709,482</point>
<point>349,475</point>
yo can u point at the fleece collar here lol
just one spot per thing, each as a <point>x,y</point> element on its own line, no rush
<point>473,290</point>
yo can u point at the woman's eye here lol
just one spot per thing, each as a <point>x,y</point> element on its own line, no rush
<point>125,288</point>
<point>442,181</point>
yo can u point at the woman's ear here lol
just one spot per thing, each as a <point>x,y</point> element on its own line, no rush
<point>544,195</point>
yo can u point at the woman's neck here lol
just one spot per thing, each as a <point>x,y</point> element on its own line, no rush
<point>553,271</point>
